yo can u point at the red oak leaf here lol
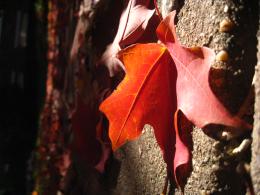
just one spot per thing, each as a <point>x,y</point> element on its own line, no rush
<point>144,96</point>
<point>194,95</point>
<point>84,122</point>
<point>88,144</point>
<point>160,82</point>
<point>135,20</point>
<point>147,95</point>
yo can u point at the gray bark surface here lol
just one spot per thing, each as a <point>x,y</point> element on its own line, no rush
<point>255,164</point>
<point>142,168</point>
<point>214,168</point>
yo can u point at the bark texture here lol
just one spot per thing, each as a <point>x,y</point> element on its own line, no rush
<point>255,164</point>
<point>214,167</point>
<point>142,169</point>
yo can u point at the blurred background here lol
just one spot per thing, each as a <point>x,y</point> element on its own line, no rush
<point>22,72</point>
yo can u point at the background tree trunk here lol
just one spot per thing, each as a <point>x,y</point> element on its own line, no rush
<point>21,87</point>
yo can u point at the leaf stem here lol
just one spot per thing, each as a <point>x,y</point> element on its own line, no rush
<point>127,19</point>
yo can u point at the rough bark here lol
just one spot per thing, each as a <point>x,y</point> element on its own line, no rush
<point>255,164</point>
<point>142,169</point>
<point>214,168</point>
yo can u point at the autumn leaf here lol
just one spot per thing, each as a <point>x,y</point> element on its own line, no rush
<point>147,95</point>
<point>194,95</point>
<point>87,146</point>
<point>87,125</point>
<point>135,21</point>
<point>84,122</point>
<point>161,82</point>
<point>139,98</point>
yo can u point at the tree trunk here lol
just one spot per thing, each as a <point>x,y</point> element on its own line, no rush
<point>228,27</point>
<point>214,169</point>
<point>255,164</point>
<point>214,166</point>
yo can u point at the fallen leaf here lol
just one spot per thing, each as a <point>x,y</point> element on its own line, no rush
<point>88,145</point>
<point>183,147</point>
<point>147,95</point>
<point>134,21</point>
<point>84,121</point>
<point>144,95</point>
<point>194,95</point>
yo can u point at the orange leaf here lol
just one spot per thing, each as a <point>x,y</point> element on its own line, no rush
<point>144,95</point>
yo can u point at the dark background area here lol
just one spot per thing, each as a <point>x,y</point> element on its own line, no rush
<point>22,70</point>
